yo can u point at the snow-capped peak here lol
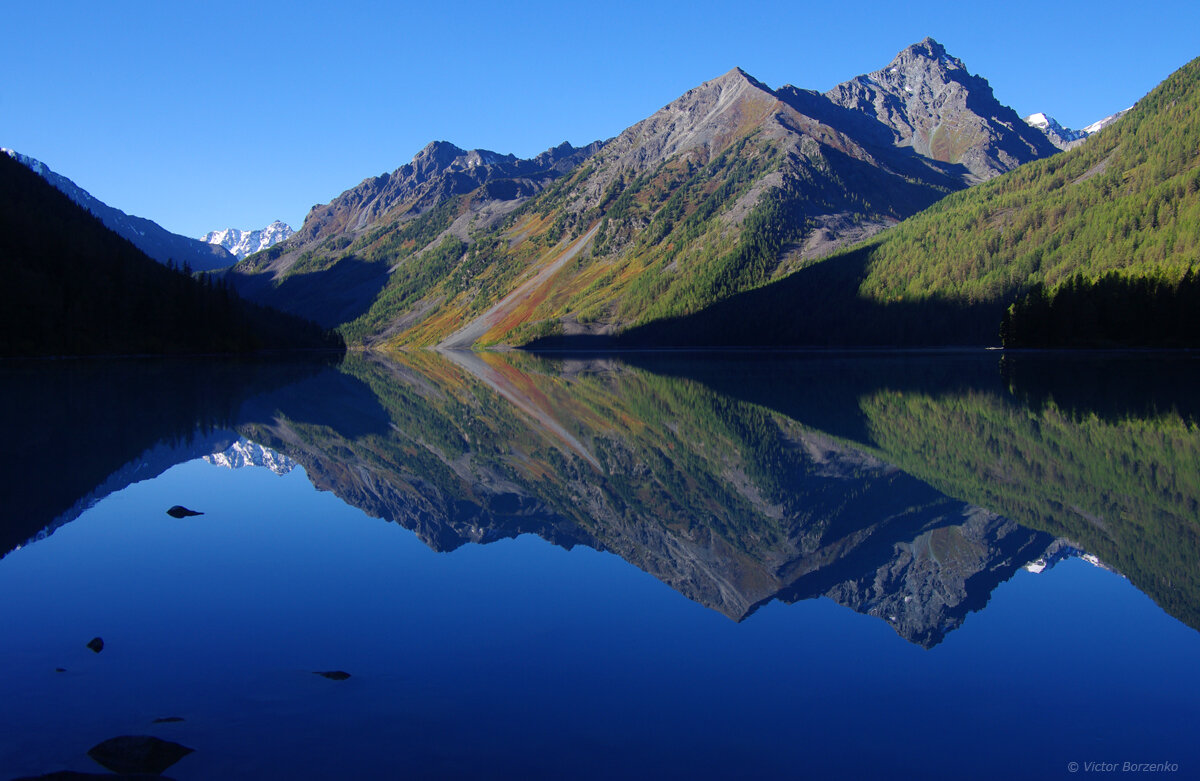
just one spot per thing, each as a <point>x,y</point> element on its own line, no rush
<point>1065,138</point>
<point>1099,125</point>
<point>244,453</point>
<point>241,243</point>
<point>1039,120</point>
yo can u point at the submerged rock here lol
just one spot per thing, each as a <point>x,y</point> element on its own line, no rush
<point>138,754</point>
<point>168,720</point>
<point>75,775</point>
<point>96,645</point>
<point>179,511</point>
<point>334,675</point>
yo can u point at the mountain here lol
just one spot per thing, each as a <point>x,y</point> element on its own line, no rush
<point>148,236</point>
<point>240,243</point>
<point>1065,138</point>
<point>74,287</point>
<point>1096,247</point>
<point>728,187</point>
<point>932,104</point>
<point>339,261</point>
<point>1061,137</point>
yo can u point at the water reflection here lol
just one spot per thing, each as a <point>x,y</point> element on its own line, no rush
<point>80,430</point>
<point>905,487</point>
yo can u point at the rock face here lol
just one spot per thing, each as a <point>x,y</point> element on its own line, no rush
<point>932,104</point>
<point>241,243</point>
<point>148,236</point>
<point>439,171</point>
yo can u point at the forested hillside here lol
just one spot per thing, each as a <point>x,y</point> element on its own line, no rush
<point>73,287</point>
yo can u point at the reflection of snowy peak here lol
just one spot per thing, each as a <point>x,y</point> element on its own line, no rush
<point>246,453</point>
<point>1060,551</point>
<point>242,243</point>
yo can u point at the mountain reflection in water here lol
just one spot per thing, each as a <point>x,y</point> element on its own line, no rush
<point>904,487</point>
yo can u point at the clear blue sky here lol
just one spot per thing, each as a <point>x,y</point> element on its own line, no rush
<point>220,114</point>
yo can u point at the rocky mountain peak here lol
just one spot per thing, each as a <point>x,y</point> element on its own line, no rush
<point>1064,137</point>
<point>932,103</point>
<point>928,49</point>
<point>703,119</point>
<point>242,243</point>
<point>438,152</point>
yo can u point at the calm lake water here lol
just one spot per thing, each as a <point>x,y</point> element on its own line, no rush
<point>659,565</point>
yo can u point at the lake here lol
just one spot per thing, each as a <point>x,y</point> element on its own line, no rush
<point>653,565</point>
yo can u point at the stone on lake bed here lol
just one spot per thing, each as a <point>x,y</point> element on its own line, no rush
<point>75,775</point>
<point>96,645</point>
<point>138,754</point>
<point>179,511</point>
<point>334,675</point>
<point>168,720</point>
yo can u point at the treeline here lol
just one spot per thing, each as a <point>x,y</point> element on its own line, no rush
<point>1112,311</point>
<point>73,287</point>
<point>1128,199</point>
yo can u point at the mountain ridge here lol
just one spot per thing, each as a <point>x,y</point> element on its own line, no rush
<point>147,235</point>
<point>726,187</point>
<point>241,243</point>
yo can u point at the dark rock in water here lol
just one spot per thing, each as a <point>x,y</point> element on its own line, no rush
<point>138,754</point>
<point>179,511</point>
<point>333,675</point>
<point>168,720</point>
<point>60,669</point>
<point>96,644</point>
<point>75,775</point>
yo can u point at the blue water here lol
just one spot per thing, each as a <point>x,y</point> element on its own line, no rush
<point>520,658</point>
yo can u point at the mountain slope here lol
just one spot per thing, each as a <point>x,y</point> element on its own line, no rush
<point>240,243</point>
<point>335,266</point>
<point>1127,203</point>
<point>148,236</point>
<point>73,287</point>
<point>729,186</point>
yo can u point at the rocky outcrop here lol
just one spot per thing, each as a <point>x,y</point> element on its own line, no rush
<point>439,171</point>
<point>931,103</point>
